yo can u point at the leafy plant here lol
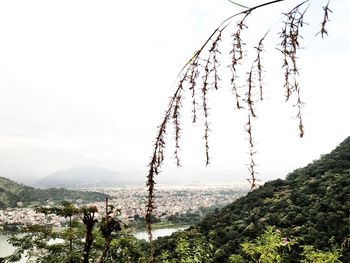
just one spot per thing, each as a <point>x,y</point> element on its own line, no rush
<point>269,247</point>
<point>316,256</point>
<point>193,248</point>
<point>110,228</point>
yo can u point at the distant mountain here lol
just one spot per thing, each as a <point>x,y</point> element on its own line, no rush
<point>13,193</point>
<point>311,204</point>
<point>89,177</point>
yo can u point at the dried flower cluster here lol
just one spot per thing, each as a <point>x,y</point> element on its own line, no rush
<point>201,74</point>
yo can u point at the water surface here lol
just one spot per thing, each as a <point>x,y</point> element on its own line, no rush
<point>7,249</point>
<point>158,232</point>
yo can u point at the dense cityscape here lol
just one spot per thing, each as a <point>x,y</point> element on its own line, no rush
<point>170,201</point>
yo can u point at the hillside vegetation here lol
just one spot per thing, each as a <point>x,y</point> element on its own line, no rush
<point>312,206</point>
<point>304,218</point>
<point>12,192</point>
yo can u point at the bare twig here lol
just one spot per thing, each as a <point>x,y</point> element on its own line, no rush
<point>323,30</point>
<point>236,56</point>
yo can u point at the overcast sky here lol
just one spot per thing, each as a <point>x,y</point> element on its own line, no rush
<point>87,83</point>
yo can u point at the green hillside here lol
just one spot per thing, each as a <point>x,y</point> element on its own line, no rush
<point>12,192</point>
<point>312,205</point>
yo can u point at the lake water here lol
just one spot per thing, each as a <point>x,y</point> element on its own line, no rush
<point>6,249</point>
<point>158,232</point>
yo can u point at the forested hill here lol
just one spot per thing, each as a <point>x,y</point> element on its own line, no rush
<point>12,192</point>
<point>312,204</point>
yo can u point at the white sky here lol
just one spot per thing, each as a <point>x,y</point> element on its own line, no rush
<point>87,83</point>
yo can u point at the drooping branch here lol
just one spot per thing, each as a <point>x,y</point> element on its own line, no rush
<point>323,30</point>
<point>176,121</point>
<point>290,45</point>
<point>214,50</point>
<point>192,78</point>
<point>158,158</point>
<point>256,69</point>
<point>257,65</point>
<point>251,166</point>
<point>202,73</point>
<point>205,110</point>
<point>236,56</point>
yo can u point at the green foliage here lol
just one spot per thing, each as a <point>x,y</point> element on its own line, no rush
<point>269,247</point>
<point>192,217</point>
<point>312,205</point>
<point>127,249</point>
<point>311,209</point>
<point>190,247</point>
<point>316,256</point>
<point>43,244</point>
<point>235,259</point>
<point>11,193</point>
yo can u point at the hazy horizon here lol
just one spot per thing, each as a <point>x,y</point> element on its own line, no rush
<point>87,83</point>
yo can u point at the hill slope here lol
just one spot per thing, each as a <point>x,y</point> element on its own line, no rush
<point>313,204</point>
<point>12,192</point>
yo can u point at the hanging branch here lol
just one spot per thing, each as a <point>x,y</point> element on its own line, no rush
<point>154,168</point>
<point>205,109</point>
<point>248,128</point>
<point>176,121</point>
<point>194,73</point>
<point>249,95</point>
<point>289,47</point>
<point>326,11</point>
<point>257,65</point>
<point>201,73</point>
<point>236,56</point>
<point>256,68</point>
<point>251,166</point>
<point>210,68</point>
<point>290,36</point>
<point>299,104</point>
<point>214,50</point>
